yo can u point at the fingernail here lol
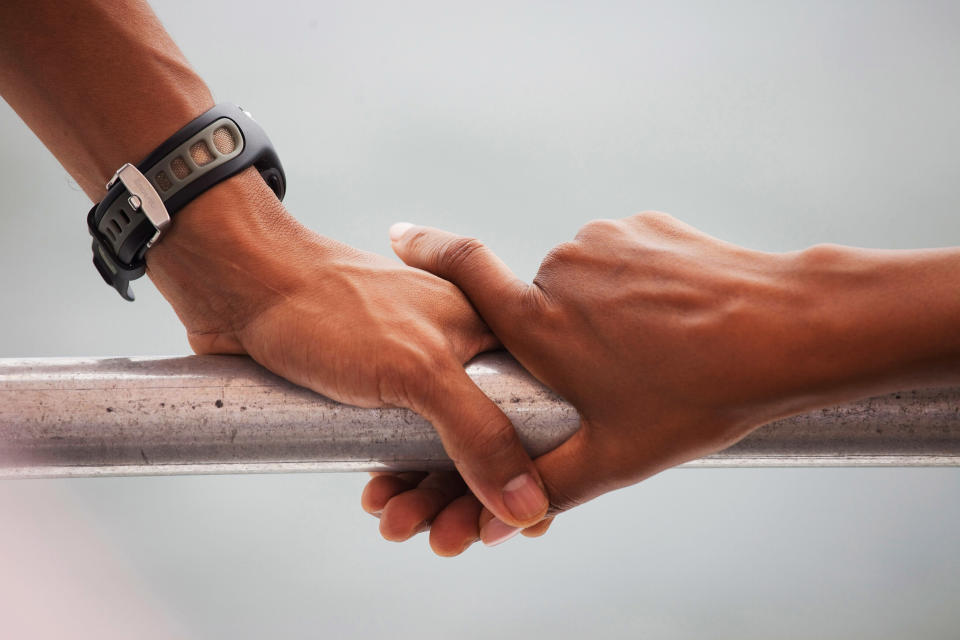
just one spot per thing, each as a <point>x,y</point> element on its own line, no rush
<point>495,532</point>
<point>524,497</point>
<point>398,229</point>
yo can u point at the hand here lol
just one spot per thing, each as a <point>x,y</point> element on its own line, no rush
<point>671,344</point>
<point>244,277</point>
<point>241,274</point>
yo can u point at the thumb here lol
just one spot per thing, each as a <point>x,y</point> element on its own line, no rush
<point>482,442</point>
<point>466,262</point>
<point>572,474</point>
<point>476,434</point>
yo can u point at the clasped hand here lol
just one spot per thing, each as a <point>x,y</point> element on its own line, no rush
<point>671,344</point>
<point>667,341</point>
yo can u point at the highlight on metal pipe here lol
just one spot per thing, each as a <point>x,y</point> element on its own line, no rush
<point>62,417</point>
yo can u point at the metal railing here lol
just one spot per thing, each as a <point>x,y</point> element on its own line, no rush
<point>62,417</point>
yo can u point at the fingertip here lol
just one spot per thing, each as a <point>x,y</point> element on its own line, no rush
<point>494,531</point>
<point>394,529</point>
<point>484,517</point>
<point>368,501</point>
<point>380,490</point>
<point>398,229</point>
<point>449,549</point>
<point>488,452</point>
<point>455,528</point>
<point>497,532</point>
<point>538,529</point>
<point>526,500</point>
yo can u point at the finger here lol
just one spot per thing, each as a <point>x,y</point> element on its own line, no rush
<point>483,444</point>
<point>538,529</point>
<point>381,488</point>
<point>575,472</point>
<point>493,530</point>
<point>570,476</point>
<point>447,482</point>
<point>413,477</point>
<point>489,284</point>
<point>455,528</point>
<point>411,512</point>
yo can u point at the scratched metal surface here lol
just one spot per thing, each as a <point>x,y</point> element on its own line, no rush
<point>225,414</point>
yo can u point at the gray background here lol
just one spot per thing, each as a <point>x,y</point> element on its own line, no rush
<point>773,125</point>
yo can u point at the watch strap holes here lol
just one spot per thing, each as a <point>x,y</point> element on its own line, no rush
<point>163,181</point>
<point>126,218</point>
<point>180,168</point>
<point>200,153</point>
<point>223,140</point>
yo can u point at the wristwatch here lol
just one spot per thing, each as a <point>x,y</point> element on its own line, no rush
<point>141,199</point>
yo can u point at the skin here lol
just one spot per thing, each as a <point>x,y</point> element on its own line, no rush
<point>101,83</point>
<point>670,343</point>
<point>673,345</point>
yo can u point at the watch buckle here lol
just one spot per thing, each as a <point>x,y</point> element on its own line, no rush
<point>143,197</point>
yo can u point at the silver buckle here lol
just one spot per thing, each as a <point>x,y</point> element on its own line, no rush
<point>143,197</point>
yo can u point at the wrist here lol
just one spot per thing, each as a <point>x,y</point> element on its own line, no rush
<point>228,256</point>
<point>877,320</point>
<point>134,134</point>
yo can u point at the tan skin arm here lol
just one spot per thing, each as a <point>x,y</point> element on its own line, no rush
<point>101,83</point>
<point>673,345</point>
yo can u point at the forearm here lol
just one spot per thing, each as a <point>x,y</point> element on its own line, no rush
<point>99,81</point>
<point>885,319</point>
<point>102,84</point>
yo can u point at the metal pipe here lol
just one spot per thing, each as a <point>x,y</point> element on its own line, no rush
<point>64,417</point>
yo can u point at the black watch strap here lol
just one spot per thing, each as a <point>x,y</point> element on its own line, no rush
<point>141,200</point>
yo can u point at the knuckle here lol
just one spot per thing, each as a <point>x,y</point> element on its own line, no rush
<point>487,443</point>
<point>822,255</point>
<point>418,243</point>
<point>458,254</point>
<point>597,229</point>
<point>561,266</point>
<point>653,219</point>
<point>533,303</point>
<point>417,238</point>
<point>562,254</point>
<point>560,500</point>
